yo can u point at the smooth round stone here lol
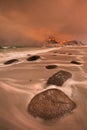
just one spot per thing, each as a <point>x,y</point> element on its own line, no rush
<point>33,58</point>
<point>51,66</point>
<point>59,78</point>
<point>10,61</point>
<point>75,62</point>
<point>50,104</point>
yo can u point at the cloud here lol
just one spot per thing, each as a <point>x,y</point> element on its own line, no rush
<point>35,19</point>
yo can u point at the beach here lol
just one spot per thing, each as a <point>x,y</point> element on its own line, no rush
<point>22,80</point>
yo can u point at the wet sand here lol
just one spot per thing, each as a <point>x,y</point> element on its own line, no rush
<point>20,82</point>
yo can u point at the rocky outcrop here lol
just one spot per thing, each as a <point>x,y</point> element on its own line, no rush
<point>50,104</point>
<point>10,61</point>
<point>33,58</point>
<point>51,66</point>
<point>59,78</point>
<point>75,62</point>
<point>73,43</point>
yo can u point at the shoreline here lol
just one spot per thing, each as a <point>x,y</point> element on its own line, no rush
<point>11,55</point>
<point>21,82</point>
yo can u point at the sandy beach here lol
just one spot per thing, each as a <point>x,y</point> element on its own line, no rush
<point>21,81</point>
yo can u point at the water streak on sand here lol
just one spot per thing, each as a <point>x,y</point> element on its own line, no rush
<point>9,55</point>
<point>16,93</point>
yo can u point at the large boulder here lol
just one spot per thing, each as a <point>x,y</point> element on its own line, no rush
<point>10,61</point>
<point>59,78</point>
<point>33,58</point>
<point>50,104</point>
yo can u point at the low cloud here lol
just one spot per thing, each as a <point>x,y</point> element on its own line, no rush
<point>35,19</point>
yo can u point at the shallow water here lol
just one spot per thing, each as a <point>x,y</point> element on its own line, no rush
<point>17,89</point>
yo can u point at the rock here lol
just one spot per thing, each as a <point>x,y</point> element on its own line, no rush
<point>55,52</point>
<point>33,58</point>
<point>59,78</point>
<point>28,54</point>
<point>51,66</point>
<point>62,53</point>
<point>10,61</point>
<point>54,55</point>
<point>75,62</point>
<point>73,43</point>
<point>69,53</point>
<point>50,104</point>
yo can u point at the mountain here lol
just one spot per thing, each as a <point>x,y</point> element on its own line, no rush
<point>52,41</point>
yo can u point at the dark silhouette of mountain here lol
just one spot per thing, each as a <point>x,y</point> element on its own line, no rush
<point>73,43</point>
<point>52,41</point>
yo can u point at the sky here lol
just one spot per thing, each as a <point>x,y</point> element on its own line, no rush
<point>35,20</point>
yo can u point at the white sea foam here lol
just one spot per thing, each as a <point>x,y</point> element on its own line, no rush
<point>18,55</point>
<point>21,54</point>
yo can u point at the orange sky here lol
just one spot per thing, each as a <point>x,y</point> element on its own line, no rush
<point>36,19</point>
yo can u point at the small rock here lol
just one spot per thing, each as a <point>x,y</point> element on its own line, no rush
<point>33,58</point>
<point>69,53</point>
<point>55,52</point>
<point>54,55</point>
<point>62,53</point>
<point>51,66</point>
<point>28,54</point>
<point>75,62</point>
<point>59,78</point>
<point>50,104</point>
<point>10,61</point>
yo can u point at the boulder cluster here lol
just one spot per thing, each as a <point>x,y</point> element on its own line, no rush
<point>52,103</point>
<point>31,58</point>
